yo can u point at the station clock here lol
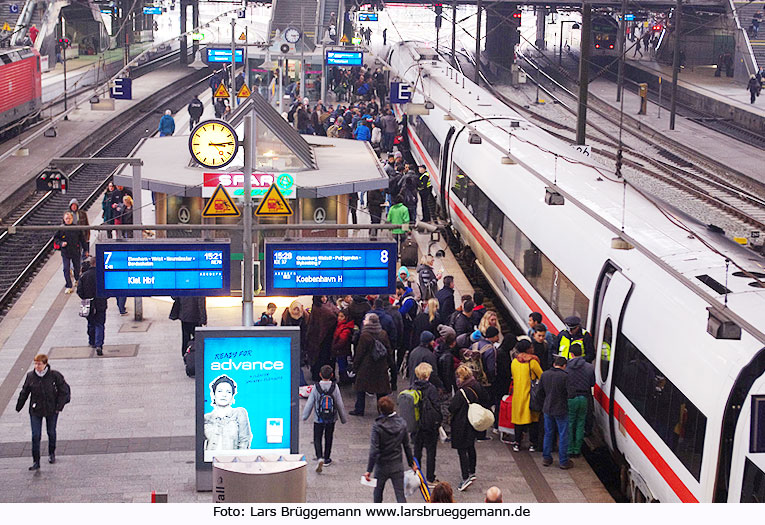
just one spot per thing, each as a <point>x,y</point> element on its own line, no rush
<point>213,143</point>
<point>291,35</point>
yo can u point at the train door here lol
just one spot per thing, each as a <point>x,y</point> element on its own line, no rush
<point>612,294</point>
<point>445,171</point>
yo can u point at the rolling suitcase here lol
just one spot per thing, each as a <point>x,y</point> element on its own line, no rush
<point>409,252</point>
<point>505,425</point>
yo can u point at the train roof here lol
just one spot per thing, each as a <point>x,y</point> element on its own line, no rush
<point>14,54</point>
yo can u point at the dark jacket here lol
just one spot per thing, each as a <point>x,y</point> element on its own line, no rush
<point>387,323</point>
<point>358,309</point>
<point>388,437</point>
<point>431,392</point>
<point>192,310</point>
<point>321,329</point>
<point>503,377</point>
<point>477,314</point>
<point>75,244</point>
<point>86,289</point>
<point>375,198</point>
<point>428,281</point>
<point>196,108</point>
<point>421,323</point>
<point>49,393</point>
<point>554,383</point>
<point>581,377</point>
<point>393,312</point>
<point>463,324</point>
<point>287,320</point>
<point>447,364</point>
<point>544,352</point>
<point>371,375</point>
<point>589,346</point>
<point>446,307</point>
<point>463,434</point>
<point>423,354</point>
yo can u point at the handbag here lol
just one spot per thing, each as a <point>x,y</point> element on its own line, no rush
<point>536,394</point>
<point>85,305</point>
<point>480,418</point>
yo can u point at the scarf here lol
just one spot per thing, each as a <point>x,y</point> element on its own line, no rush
<point>41,374</point>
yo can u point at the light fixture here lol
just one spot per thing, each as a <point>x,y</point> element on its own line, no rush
<point>50,132</point>
<point>617,243</point>
<point>429,105</point>
<point>507,159</point>
<point>575,26</point>
<point>448,116</point>
<point>413,108</point>
<point>552,197</point>
<point>197,63</point>
<point>720,327</point>
<point>94,99</point>
<point>474,138</point>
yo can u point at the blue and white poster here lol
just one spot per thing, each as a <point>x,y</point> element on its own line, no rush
<point>247,381</point>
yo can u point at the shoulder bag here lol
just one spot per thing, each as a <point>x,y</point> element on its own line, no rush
<point>536,394</point>
<point>480,418</point>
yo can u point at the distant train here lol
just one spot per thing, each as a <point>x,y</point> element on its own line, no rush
<point>604,32</point>
<point>680,364</point>
<point>20,84</point>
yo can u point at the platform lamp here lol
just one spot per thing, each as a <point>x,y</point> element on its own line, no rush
<point>448,115</point>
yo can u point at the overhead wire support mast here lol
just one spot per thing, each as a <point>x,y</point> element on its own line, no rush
<point>584,73</point>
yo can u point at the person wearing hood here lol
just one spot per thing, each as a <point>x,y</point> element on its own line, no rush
<point>49,392</point>
<point>385,320</point>
<point>358,309</point>
<point>754,88</point>
<point>581,379</point>
<point>426,434</point>
<point>295,315</point>
<point>525,368</point>
<point>371,374</point>
<point>424,353</point>
<point>403,277</point>
<point>389,437</point>
<point>428,279</point>
<point>463,434</point>
<point>72,245</point>
<point>79,217</point>
<point>321,329</point>
<point>87,289</point>
<point>341,344</point>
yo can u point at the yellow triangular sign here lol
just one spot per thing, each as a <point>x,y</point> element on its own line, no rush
<point>220,205</point>
<point>273,204</point>
<point>242,36</point>
<point>344,39</point>
<point>244,92</point>
<point>6,27</point>
<point>221,92</point>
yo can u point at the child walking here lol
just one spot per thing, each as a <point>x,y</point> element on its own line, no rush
<point>326,403</point>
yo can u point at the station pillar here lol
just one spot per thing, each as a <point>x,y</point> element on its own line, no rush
<point>502,33</point>
<point>539,41</point>
<point>184,54</point>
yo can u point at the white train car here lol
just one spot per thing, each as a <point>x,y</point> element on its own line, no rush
<point>680,394</point>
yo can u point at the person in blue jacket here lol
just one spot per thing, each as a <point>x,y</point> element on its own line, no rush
<point>363,132</point>
<point>166,124</point>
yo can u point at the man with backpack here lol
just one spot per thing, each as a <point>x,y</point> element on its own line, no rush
<point>426,434</point>
<point>326,403</point>
<point>407,307</point>
<point>424,354</point>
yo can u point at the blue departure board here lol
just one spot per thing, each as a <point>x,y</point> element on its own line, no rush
<point>296,268</point>
<point>223,55</point>
<point>344,58</point>
<point>131,269</point>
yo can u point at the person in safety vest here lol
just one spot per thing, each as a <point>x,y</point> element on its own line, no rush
<point>425,191</point>
<point>575,334</point>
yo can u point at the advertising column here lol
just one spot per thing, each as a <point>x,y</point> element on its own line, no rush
<point>246,390</point>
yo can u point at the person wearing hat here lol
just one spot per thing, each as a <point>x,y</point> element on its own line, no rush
<point>575,335</point>
<point>424,353</point>
<point>484,349</point>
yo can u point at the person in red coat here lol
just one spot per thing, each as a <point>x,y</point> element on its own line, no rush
<point>341,343</point>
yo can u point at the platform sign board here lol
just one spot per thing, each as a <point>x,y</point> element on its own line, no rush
<point>337,268</point>
<point>400,93</point>
<point>223,55</point>
<point>129,269</point>
<point>367,17</point>
<point>122,89</point>
<point>261,182</point>
<point>246,393</point>
<point>152,10</point>
<point>345,58</point>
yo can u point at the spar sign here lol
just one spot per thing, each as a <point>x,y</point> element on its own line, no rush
<point>234,184</point>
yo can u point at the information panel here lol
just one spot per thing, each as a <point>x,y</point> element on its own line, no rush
<point>297,268</point>
<point>246,390</point>
<point>224,55</point>
<point>367,17</point>
<point>132,269</point>
<point>344,58</point>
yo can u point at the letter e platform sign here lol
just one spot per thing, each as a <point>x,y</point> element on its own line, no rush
<point>122,89</point>
<point>273,204</point>
<point>400,93</point>
<point>246,394</point>
<point>220,204</point>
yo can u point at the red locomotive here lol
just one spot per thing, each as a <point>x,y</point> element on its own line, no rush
<point>20,86</point>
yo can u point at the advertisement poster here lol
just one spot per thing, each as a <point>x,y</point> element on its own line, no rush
<point>247,385</point>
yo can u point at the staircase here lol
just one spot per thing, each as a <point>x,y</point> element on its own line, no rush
<point>287,13</point>
<point>29,13</point>
<point>745,11</point>
<point>330,6</point>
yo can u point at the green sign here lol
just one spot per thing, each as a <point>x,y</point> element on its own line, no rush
<point>197,36</point>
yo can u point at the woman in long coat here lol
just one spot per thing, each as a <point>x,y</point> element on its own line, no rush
<point>524,368</point>
<point>371,375</point>
<point>463,434</point>
<point>321,328</point>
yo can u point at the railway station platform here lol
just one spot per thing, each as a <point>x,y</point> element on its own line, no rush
<point>130,426</point>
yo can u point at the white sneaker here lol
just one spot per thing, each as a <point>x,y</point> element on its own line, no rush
<point>68,290</point>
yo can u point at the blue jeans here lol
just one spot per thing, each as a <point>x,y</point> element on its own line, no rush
<point>551,422</point>
<point>342,364</point>
<point>73,264</point>
<point>121,302</point>
<point>96,327</point>
<point>50,424</point>
<point>387,142</point>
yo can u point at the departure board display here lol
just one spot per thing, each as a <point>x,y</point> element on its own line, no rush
<point>330,268</point>
<point>144,269</point>
<point>344,58</point>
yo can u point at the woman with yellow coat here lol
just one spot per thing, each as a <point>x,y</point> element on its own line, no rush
<point>525,368</point>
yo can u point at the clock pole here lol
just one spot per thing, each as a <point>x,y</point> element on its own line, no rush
<point>248,283</point>
<point>232,77</point>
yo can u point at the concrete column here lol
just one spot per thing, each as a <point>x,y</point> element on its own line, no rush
<point>584,73</point>
<point>195,23</point>
<point>183,47</point>
<point>540,38</point>
<point>501,33</point>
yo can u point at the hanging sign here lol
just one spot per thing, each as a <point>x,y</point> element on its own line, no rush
<point>273,204</point>
<point>220,205</point>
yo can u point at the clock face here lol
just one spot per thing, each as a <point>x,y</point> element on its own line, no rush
<point>213,143</point>
<point>291,35</point>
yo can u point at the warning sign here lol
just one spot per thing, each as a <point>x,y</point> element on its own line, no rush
<point>220,205</point>
<point>6,27</point>
<point>221,92</point>
<point>244,92</point>
<point>243,36</point>
<point>344,39</point>
<point>273,204</point>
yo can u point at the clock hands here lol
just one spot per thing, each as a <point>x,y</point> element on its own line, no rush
<point>221,143</point>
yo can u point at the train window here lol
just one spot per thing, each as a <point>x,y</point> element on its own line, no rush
<point>753,487</point>
<point>6,58</point>
<point>570,301</point>
<point>605,349</point>
<point>429,140</point>
<point>478,203</point>
<point>757,438</point>
<point>539,271</point>
<point>510,238</point>
<point>494,224</point>
<point>460,183</point>
<point>673,416</point>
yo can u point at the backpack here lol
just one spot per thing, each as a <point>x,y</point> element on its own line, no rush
<point>379,351</point>
<point>325,408</point>
<point>413,311</point>
<point>475,364</point>
<point>189,359</point>
<point>409,404</point>
<point>363,89</point>
<point>430,414</point>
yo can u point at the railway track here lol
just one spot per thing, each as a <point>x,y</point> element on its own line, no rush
<point>683,170</point>
<point>23,253</point>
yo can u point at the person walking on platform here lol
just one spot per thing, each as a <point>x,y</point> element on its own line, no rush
<point>375,201</point>
<point>554,385</point>
<point>80,217</point>
<point>191,312</point>
<point>49,393</point>
<point>445,298</point>
<point>389,436</point>
<point>87,290</point>
<point>754,88</point>
<point>326,403</point>
<point>581,379</point>
<point>399,214</point>
<point>72,245</point>
<point>463,433</point>
<point>196,108</point>
<point>370,368</point>
<point>166,124</point>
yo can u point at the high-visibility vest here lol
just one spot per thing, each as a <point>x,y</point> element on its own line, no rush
<point>565,344</point>
<point>423,182</point>
<point>605,351</point>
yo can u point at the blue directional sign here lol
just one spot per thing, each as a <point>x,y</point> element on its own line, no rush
<point>296,268</point>
<point>152,10</point>
<point>367,17</point>
<point>629,17</point>
<point>345,58</point>
<point>224,55</point>
<point>131,269</point>
<point>400,93</point>
<point>122,89</point>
